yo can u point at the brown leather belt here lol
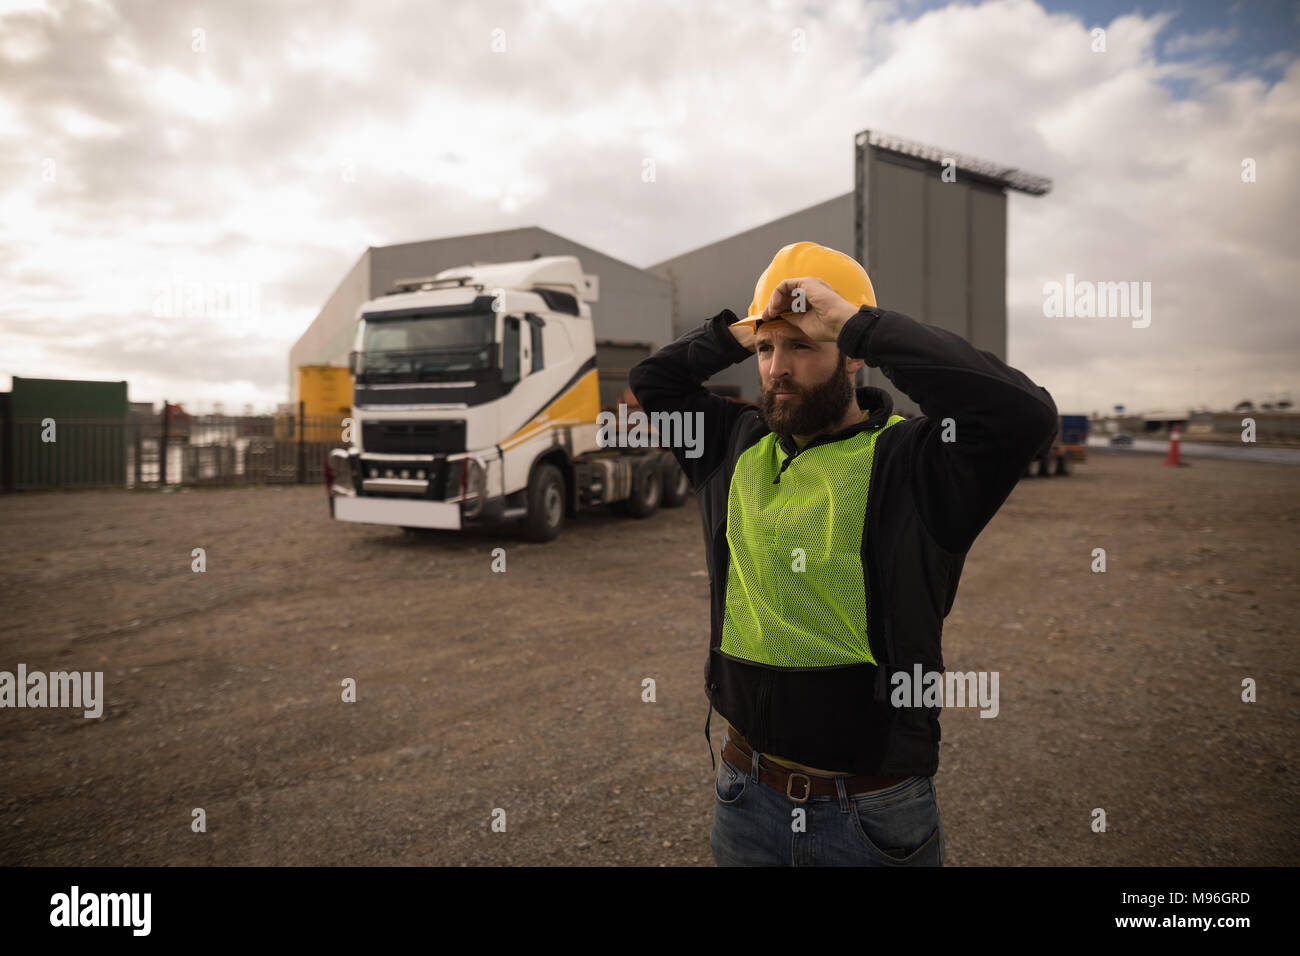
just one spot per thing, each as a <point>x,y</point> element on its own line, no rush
<point>794,784</point>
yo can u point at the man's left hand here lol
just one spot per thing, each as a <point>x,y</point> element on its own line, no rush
<point>812,306</point>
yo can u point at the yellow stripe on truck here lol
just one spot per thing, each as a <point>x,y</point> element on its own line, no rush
<point>579,404</point>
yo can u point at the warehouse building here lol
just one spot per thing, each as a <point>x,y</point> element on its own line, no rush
<point>929,225</point>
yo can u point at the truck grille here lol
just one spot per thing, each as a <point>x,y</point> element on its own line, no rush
<point>414,438</point>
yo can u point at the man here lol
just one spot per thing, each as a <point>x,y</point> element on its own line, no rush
<point>835,533</point>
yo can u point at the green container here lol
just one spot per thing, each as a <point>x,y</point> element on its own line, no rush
<point>89,429</point>
<point>55,398</point>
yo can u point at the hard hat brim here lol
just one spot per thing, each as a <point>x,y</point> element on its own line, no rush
<point>752,322</point>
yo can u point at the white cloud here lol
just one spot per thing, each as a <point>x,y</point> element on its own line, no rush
<point>1201,42</point>
<point>22,39</point>
<point>229,165</point>
<point>84,126</point>
<point>348,54</point>
<point>199,96</point>
<point>11,125</point>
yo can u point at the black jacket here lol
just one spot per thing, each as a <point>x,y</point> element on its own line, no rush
<point>927,501</point>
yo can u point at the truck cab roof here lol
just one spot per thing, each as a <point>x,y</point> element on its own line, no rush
<point>558,280</point>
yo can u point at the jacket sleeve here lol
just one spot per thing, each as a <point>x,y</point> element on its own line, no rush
<point>672,380</point>
<point>1000,419</point>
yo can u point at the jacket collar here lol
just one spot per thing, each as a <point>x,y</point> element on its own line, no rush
<point>876,400</point>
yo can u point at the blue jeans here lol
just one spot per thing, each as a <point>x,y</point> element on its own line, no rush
<point>754,825</point>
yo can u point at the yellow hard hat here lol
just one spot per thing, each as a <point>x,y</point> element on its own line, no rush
<point>841,272</point>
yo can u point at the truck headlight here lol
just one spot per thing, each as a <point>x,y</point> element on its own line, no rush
<point>341,467</point>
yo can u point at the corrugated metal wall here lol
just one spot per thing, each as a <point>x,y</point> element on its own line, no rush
<point>936,251</point>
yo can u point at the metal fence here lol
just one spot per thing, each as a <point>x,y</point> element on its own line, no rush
<point>199,450</point>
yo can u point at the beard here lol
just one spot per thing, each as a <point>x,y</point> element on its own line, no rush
<point>812,409</point>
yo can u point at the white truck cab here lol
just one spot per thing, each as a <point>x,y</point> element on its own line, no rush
<point>476,400</point>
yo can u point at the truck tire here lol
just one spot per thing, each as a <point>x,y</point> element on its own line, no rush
<point>545,517</point>
<point>1044,466</point>
<point>676,486</point>
<point>647,491</point>
<point>1062,463</point>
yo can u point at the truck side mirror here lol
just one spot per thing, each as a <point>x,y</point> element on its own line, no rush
<point>353,362</point>
<point>510,360</point>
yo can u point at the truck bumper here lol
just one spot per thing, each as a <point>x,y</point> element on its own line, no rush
<point>396,511</point>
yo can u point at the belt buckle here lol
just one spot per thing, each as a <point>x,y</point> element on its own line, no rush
<point>807,787</point>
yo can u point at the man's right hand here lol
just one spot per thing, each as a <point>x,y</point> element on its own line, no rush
<point>744,334</point>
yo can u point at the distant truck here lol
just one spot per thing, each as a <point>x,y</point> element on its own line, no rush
<point>1074,435</point>
<point>1070,443</point>
<point>477,401</point>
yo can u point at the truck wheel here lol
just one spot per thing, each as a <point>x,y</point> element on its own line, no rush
<point>1062,464</point>
<point>675,483</point>
<point>1044,466</point>
<point>545,517</point>
<point>647,490</point>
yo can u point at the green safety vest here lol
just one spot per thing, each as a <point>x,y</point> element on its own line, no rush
<point>796,595</point>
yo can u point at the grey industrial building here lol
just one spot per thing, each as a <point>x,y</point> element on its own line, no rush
<point>929,225</point>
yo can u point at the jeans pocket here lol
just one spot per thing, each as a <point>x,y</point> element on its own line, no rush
<point>899,826</point>
<point>731,783</point>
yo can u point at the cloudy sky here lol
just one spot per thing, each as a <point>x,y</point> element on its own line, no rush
<point>258,148</point>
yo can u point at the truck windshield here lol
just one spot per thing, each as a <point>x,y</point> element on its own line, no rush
<point>414,347</point>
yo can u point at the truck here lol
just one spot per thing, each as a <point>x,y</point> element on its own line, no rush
<point>1074,436</point>
<point>1069,443</point>
<point>476,401</point>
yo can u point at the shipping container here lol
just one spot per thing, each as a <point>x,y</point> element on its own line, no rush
<point>325,394</point>
<point>65,432</point>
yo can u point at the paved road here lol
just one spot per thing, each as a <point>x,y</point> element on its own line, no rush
<point>1242,452</point>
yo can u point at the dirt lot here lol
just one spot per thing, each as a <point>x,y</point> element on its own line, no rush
<point>522,691</point>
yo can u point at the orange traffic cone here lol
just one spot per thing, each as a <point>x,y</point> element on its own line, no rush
<point>1173,459</point>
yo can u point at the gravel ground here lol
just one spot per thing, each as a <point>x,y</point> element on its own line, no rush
<point>522,691</point>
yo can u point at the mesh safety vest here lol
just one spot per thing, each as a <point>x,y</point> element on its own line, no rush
<point>796,594</point>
